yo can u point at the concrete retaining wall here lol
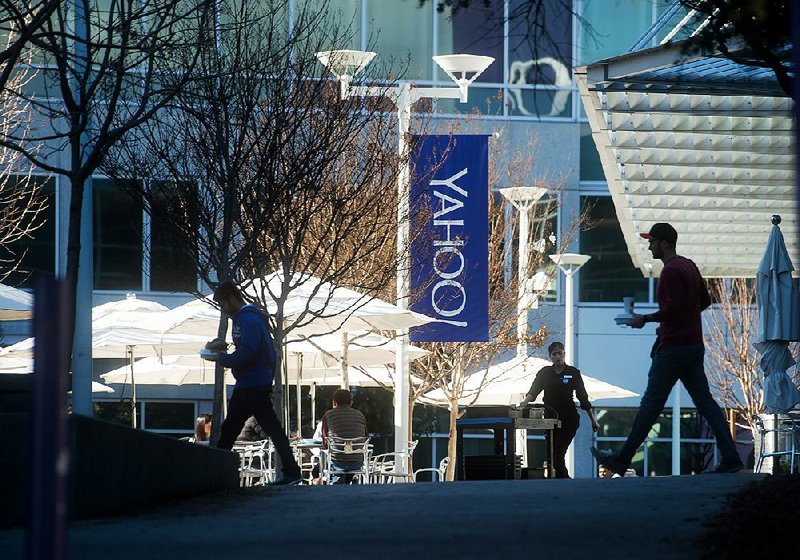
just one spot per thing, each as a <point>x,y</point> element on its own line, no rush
<point>113,469</point>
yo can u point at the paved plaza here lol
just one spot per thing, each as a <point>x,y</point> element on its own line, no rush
<point>602,518</point>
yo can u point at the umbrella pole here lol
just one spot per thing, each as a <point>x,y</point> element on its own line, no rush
<point>345,365</point>
<point>133,388</point>
<point>314,406</point>
<point>299,357</point>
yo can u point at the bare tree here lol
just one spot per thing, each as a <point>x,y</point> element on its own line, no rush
<point>257,167</point>
<point>732,361</point>
<point>751,32</point>
<point>19,22</point>
<point>22,200</point>
<point>106,73</point>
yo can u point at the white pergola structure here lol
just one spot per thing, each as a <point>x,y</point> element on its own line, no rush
<point>701,142</point>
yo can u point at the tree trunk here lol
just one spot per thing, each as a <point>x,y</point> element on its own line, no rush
<point>220,393</point>
<point>451,442</point>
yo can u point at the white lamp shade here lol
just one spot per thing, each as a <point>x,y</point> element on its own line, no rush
<point>345,62</point>
<point>570,259</point>
<point>463,69</point>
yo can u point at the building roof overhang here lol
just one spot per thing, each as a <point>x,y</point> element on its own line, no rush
<point>702,142</point>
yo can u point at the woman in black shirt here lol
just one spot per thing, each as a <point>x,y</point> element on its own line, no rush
<point>559,382</point>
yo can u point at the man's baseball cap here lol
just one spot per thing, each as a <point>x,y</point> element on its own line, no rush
<point>662,232</point>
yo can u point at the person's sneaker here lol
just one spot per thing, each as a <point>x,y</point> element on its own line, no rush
<point>609,460</point>
<point>726,468</point>
<point>287,480</point>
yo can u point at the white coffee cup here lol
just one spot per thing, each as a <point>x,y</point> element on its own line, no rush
<point>628,305</point>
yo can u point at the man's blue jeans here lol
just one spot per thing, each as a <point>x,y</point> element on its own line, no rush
<point>343,466</point>
<point>671,363</point>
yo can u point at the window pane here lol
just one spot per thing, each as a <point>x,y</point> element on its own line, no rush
<point>540,52</point>
<point>34,252</point>
<point>169,416</point>
<point>590,169</point>
<point>659,458</point>
<point>696,457</point>
<point>326,26</point>
<point>402,34</point>
<point>475,29</point>
<point>613,27</point>
<point>117,238</point>
<point>539,32</point>
<point>482,101</point>
<point>344,23</point>
<point>693,425</point>
<point>615,422</point>
<point>118,412</point>
<point>172,262</point>
<point>540,103</point>
<point>609,275</point>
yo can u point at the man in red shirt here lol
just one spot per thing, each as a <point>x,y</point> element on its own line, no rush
<point>677,354</point>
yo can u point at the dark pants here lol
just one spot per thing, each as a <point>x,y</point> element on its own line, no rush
<point>257,401</point>
<point>562,437</point>
<point>671,363</point>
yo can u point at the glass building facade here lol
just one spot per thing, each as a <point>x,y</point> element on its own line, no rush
<point>529,90</point>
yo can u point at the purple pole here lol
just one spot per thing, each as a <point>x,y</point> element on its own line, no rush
<point>47,529</point>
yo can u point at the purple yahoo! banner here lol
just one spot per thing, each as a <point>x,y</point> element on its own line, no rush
<point>450,258</point>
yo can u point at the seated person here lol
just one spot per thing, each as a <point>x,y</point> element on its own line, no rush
<point>202,430</point>
<point>343,421</point>
<point>251,431</point>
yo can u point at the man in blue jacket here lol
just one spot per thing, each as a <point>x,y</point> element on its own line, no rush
<point>253,367</point>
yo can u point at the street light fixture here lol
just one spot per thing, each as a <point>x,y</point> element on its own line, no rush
<point>569,263</point>
<point>523,199</point>
<point>463,69</point>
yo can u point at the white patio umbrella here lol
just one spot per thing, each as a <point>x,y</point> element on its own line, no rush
<point>112,342</point>
<point>325,351</point>
<point>168,370</point>
<point>124,329</point>
<point>130,343</point>
<point>779,322</point>
<point>15,304</point>
<point>193,370</point>
<point>321,360</point>
<point>120,310</point>
<point>100,388</point>
<point>315,307</point>
<point>507,383</point>
<point>361,376</point>
<point>10,364</point>
<point>319,308</point>
<point>24,366</point>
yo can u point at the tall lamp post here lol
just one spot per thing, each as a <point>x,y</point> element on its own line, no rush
<point>463,69</point>
<point>523,199</point>
<point>569,263</point>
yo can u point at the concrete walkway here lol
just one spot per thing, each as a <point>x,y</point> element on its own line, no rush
<point>608,518</point>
